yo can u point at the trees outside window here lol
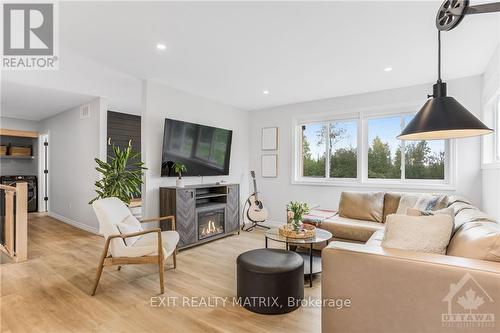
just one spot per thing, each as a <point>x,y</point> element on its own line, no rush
<point>330,150</point>
<point>313,150</point>
<point>422,159</point>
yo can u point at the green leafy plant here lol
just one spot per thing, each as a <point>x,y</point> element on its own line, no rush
<point>296,212</point>
<point>121,176</point>
<point>179,168</point>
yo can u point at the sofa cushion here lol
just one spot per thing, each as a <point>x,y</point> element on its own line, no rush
<point>362,205</point>
<point>376,238</point>
<point>430,234</point>
<point>477,240</point>
<point>465,212</point>
<point>351,229</point>
<point>391,203</point>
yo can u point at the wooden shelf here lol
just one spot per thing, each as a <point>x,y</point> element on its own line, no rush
<point>19,134</point>
<point>212,205</point>
<point>210,195</point>
<point>14,157</point>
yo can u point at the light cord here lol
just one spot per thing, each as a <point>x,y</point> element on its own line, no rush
<point>439,55</point>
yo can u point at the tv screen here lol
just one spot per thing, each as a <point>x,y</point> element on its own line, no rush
<point>204,150</point>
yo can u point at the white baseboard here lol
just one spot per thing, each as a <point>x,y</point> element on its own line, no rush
<point>74,223</point>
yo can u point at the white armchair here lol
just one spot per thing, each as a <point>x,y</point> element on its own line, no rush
<point>126,241</point>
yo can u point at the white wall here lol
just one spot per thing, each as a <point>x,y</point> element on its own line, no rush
<point>491,191</point>
<point>73,145</point>
<point>83,75</point>
<point>160,102</point>
<point>279,191</point>
<point>491,167</point>
<point>18,124</point>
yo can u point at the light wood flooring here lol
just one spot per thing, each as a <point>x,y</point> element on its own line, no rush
<point>50,292</point>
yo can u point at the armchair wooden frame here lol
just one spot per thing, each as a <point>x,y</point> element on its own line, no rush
<point>108,260</point>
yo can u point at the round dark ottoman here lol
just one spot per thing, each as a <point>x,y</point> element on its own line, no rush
<point>270,281</point>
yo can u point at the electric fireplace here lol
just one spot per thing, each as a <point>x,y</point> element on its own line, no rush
<point>210,223</point>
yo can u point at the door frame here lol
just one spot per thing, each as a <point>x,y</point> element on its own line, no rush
<point>43,182</point>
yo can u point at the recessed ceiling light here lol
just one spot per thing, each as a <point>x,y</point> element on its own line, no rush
<point>387,69</point>
<point>161,46</point>
<point>265,92</point>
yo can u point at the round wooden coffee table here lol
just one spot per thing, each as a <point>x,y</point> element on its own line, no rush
<point>314,261</point>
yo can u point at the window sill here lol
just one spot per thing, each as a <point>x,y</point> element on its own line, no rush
<point>493,165</point>
<point>380,184</point>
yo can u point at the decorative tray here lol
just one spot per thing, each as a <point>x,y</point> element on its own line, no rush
<point>308,231</point>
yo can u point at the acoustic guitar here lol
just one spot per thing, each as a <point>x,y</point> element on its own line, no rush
<point>256,211</point>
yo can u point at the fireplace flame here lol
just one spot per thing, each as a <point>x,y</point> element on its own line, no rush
<point>210,229</point>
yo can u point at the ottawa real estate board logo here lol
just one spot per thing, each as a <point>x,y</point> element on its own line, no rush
<point>469,305</point>
<point>30,36</point>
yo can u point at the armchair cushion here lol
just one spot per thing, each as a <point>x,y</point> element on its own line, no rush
<point>129,225</point>
<point>169,241</point>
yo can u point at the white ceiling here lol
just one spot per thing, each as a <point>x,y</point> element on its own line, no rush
<point>35,103</point>
<point>232,51</point>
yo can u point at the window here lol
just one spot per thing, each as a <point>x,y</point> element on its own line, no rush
<point>343,149</point>
<point>491,142</point>
<point>331,151</point>
<point>313,150</point>
<point>422,159</point>
<point>384,150</point>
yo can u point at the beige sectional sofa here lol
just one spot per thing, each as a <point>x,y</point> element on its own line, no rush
<point>394,290</point>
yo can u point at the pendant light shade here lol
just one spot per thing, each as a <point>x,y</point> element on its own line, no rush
<point>442,117</point>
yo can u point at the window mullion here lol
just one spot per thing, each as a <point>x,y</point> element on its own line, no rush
<point>403,152</point>
<point>327,157</point>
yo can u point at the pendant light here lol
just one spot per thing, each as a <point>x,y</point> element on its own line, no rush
<point>442,116</point>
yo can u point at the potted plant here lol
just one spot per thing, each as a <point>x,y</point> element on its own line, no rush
<point>179,168</point>
<point>121,176</point>
<point>296,211</point>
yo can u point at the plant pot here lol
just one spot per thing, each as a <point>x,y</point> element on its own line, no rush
<point>179,182</point>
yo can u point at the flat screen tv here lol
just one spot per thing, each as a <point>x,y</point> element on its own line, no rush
<point>204,150</point>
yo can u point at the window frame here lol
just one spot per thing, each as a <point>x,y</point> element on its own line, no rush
<point>362,116</point>
<point>496,128</point>
<point>490,148</point>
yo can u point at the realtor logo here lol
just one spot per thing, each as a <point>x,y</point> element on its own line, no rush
<point>29,31</point>
<point>468,305</point>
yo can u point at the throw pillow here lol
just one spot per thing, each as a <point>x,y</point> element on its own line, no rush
<point>418,212</point>
<point>407,201</point>
<point>421,202</point>
<point>429,234</point>
<point>130,225</point>
<point>431,202</point>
